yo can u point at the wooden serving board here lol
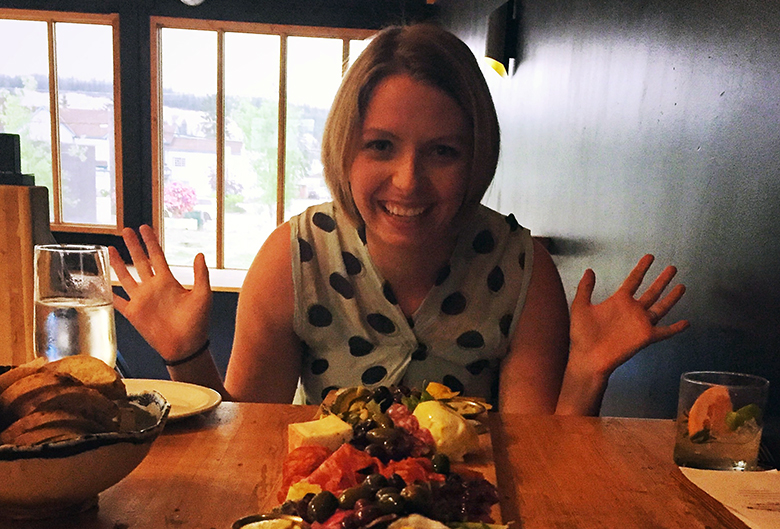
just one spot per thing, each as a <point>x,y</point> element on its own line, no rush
<point>484,463</point>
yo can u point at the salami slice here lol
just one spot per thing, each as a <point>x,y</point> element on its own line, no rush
<point>299,464</point>
<point>413,469</point>
<point>345,468</point>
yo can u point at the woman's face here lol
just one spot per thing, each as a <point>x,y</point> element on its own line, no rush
<point>409,176</point>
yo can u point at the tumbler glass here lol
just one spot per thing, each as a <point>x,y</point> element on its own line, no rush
<point>720,420</point>
<point>74,311</point>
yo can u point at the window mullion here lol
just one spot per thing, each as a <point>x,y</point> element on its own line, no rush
<point>221,137</point>
<point>282,131</point>
<point>54,114</point>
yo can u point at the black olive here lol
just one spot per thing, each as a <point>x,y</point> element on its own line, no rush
<point>322,506</point>
<point>381,434</point>
<point>396,481</point>
<point>417,498</point>
<point>380,394</point>
<point>441,463</point>
<point>375,482</point>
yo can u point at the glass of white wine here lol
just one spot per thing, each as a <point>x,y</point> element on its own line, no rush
<point>74,310</point>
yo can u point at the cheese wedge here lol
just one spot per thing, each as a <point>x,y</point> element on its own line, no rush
<point>329,431</point>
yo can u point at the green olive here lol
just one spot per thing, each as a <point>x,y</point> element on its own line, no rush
<point>391,503</point>
<point>349,496</point>
<point>322,506</point>
<point>377,435</point>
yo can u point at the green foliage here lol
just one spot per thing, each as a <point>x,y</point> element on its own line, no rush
<point>15,118</point>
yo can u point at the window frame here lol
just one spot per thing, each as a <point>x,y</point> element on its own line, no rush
<point>51,18</point>
<point>157,24</point>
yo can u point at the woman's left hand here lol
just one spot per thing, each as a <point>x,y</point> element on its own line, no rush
<point>605,335</point>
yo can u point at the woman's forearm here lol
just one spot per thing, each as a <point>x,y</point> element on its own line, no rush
<point>202,371</point>
<point>582,389</point>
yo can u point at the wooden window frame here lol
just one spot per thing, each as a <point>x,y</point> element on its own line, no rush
<point>222,27</point>
<point>51,18</point>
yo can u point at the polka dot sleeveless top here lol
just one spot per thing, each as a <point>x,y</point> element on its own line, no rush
<point>354,332</point>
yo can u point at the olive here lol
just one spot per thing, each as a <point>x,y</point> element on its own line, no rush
<point>374,482</point>
<point>417,498</point>
<point>441,463</point>
<point>377,451</point>
<point>391,503</point>
<point>396,481</point>
<point>322,506</point>
<point>383,420</point>
<point>387,490</point>
<point>381,434</point>
<point>349,496</point>
<point>366,512</point>
<point>380,394</point>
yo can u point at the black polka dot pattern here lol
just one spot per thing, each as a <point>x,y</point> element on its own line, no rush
<point>442,275</point>
<point>380,323</point>
<point>476,368</point>
<point>361,231</point>
<point>324,222</point>
<point>341,284</point>
<point>454,304</point>
<point>505,323</point>
<point>421,353</point>
<point>326,391</point>
<point>319,366</point>
<point>320,316</point>
<point>306,251</point>
<point>484,242</point>
<point>471,340</point>
<point>495,280</point>
<point>453,383</point>
<point>387,290</point>
<point>351,264</point>
<point>359,346</point>
<point>373,375</point>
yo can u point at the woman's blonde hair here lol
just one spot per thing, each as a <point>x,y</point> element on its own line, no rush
<point>428,54</point>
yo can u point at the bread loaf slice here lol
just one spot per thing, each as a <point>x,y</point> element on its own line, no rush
<point>19,372</point>
<point>47,434</point>
<point>28,387</point>
<point>93,373</point>
<point>47,419</point>
<point>78,400</point>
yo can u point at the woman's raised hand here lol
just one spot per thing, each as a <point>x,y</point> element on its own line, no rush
<point>174,320</point>
<point>605,335</point>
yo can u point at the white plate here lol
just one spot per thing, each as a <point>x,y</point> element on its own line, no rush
<point>185,399</point>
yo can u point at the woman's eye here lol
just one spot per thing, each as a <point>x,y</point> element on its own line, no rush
<point>379,145</point>
<point>445,151</point>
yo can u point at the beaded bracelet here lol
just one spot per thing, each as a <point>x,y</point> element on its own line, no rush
<point>194,355</point>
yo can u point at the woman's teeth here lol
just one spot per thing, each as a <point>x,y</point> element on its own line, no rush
<point>401,211</point>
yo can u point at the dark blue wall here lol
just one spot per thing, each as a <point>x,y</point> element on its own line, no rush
<point>652,126</point>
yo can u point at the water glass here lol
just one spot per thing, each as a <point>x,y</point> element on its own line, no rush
<point>74,311</point>
<point>720,420</point>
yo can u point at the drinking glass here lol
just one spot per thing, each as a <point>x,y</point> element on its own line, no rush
<point>74,310</point>
<point>720,420</point>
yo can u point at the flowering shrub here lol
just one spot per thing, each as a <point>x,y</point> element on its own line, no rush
<point>179,198</point>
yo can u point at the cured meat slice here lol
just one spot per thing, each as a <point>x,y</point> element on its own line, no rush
<point>413,469</point>
<point>345,468</point>
<point>299,464</point>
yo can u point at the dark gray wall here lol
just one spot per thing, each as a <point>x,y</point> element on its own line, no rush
<point>651,126</point>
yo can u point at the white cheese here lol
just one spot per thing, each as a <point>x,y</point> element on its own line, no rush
<point>329,431</point>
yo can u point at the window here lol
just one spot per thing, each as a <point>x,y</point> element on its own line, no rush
<point>57,92</point>
<point>239,111</point>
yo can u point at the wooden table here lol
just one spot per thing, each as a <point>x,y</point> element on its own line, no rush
<point>553,472</point>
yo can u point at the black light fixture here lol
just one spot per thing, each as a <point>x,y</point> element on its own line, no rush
<point>502,37</point>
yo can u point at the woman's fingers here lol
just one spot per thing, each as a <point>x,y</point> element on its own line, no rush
<point>140,261</point>
<point>662,307</point>
<point>585,289</point>
<point>667,331</point>
<point>156,255</point>
<point>120,269</point>
<point>201,274</point>
<point>654,291</point>
<point>634,279</point>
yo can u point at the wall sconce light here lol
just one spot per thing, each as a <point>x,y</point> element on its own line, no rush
<point>502,38</point>
<point>192,2</point>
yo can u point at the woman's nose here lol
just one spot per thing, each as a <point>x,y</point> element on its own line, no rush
<point>408,172</point>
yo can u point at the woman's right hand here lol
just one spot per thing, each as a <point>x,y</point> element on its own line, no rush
<point>171,318</point>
